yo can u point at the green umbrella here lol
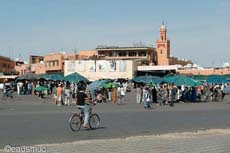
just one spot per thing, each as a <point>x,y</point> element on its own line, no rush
<point>110,84</point>
<point>148,79</point>
<point>98,84</point>
<point>40,88</point>
<point>29,76</point>
<point>75,77</point>
<point>53,77</point>
<point>216,79</point>
<point>181,80</point>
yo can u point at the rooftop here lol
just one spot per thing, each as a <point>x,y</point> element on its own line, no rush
<point>123,48</point>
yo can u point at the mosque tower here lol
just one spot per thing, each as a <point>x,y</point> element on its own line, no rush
<point>163,47</point>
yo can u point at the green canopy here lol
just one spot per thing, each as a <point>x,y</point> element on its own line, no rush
<point>110,84</point>
<point>40,88</point>
<point>181,80</point>
<point>75,77</point>
<point>148,79</point>
<point>98,84</point>
<point>200,77</point>
<point>53,77</point>
<point>216,79</point>
<point>29,76</point>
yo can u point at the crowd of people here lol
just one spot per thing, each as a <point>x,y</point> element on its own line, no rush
<point>168,94</point>
<point>65,93</point>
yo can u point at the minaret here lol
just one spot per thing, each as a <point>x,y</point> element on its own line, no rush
<point>163,47</point>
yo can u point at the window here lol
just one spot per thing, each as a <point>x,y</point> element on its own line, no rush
<point>132,54</point>
<point>161,52</point>
<point>4,65</point>
<point>142,53</point>
<point>110,54</point>
<point>122,54</point>
<point>33,60</point>
<point>101,53</point>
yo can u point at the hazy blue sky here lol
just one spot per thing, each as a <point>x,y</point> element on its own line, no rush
<point>198,29</point>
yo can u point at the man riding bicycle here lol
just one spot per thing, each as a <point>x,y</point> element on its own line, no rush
<point>82,100</point>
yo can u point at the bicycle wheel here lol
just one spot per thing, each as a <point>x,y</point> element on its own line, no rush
<point>75,122</point>
<point>94,121</point>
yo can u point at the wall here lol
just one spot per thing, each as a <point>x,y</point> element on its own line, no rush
<point>87,53</point>
<point>6,64</point>
<point>22,69</point>
<point>99,69</point>
<point>210,71</point>
<point>54,62</point>
<point>38,68</point>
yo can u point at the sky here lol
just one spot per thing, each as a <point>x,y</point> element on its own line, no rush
<point>198,29</point>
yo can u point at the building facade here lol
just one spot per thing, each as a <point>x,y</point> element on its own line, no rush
<point>101,69</point>
<point>127,53</point>
<point>54,62</point>
<point>205,71</point>
<point>36,59</point>
<point>87,54</point>
<point>163,47</point>
<point>6,65</point>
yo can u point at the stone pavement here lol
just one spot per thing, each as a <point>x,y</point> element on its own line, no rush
<point>208,141</point>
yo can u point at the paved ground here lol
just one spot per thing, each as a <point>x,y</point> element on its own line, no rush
<point>210,141</point>
<point>125,128</point>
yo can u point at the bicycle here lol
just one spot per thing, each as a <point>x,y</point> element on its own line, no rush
<point>77,119</point>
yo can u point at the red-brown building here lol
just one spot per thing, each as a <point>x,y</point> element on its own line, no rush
<point>6,65</point>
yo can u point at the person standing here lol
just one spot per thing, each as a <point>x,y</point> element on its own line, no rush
<point>54,92</point>
<point>138,89</point>
<point>146,98</point>
<point>154,95</point>
<point>19,88</point>
<point>110,93</point>
<point>59,95</point>
<point>122,94</point>
<point>160,96</point>
<point>67,94</point>
<point>173,95</point>
<point>114,95</point>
